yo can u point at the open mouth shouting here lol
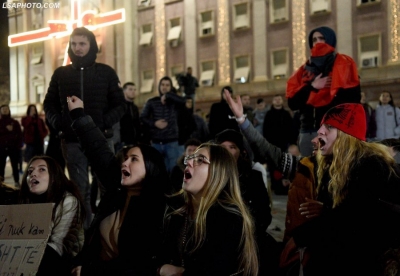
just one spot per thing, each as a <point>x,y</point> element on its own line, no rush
<point>321,143</point>
<point>125,174</point>
<point>187,175</point>
<point>32,183</point>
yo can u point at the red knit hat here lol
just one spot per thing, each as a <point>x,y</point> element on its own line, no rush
<point>349,118</point>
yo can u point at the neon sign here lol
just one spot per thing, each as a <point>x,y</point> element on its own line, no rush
<point>61,28</point>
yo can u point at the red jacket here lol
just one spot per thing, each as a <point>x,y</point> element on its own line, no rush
<point>29,124</point>
<point>344,75</point>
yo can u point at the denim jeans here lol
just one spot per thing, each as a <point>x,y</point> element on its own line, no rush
<point>170,152</point>
<point>78,170</point>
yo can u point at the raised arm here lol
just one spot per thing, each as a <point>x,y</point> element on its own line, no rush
<point>285,162</point>
<point>99,154</point>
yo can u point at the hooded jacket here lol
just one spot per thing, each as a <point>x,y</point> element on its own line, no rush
<point>345,85</point>
<point>96,84</point>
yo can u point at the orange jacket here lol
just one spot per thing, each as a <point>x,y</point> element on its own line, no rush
<point>303,185</point>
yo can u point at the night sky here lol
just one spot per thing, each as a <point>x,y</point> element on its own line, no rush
<point>4,51</point>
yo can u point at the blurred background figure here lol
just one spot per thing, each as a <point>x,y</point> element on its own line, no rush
<point>188,83</point>
<point>394,148</point>
<point>247,108</point>
<point>220,115</point>
<point>34,133</point>
<point>10,142</point>
<point>201,130</point>
<point>387,117</point>
<point>370,117</point>
<point>277,130</point>
<point>259,115</point>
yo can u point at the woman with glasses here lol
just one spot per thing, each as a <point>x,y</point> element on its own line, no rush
<point>125,234</point>
<point>212,233</point>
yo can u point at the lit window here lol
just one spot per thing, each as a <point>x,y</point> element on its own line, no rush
<point>278,10</point>
<point>174,34</point>
<point>320,6</point>
<point>147,81</point>
<point>279,64</point>
<point>369,51</point>
<point>176,72</point>
<point>242,69</point>
<point>241,16</point>
<point>37,53</point>
<point>146,35</point>
<point>144,3</point>
<point>207,73</point>
<point>207,23</point>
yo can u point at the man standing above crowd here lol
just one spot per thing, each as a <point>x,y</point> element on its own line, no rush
<point>98,86</point>
<point>189,84</point>
<point>326,80</point>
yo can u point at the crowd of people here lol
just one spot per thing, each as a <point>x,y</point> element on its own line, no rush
<point>174,194</point>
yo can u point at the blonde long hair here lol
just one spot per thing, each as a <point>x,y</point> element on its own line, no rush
<point>222,187</point>
<point>347,151</point>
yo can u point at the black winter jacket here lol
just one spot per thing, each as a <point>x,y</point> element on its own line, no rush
<point>351,238</point>
<point>96,85</point>
<point>154,110</point>
<point>140,233</point>
<point>130,127</point>
<point>218,255</point>
<point>219,120</point>
<point>277,127</point>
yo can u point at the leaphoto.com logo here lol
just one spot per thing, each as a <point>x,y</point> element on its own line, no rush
<point>30,5</point>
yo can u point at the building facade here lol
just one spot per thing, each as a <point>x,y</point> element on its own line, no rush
<point>252,45</point>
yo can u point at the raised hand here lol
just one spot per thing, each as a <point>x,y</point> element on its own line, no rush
<point>235,105</point>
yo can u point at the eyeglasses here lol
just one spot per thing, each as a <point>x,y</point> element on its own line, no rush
<point>198,159</point>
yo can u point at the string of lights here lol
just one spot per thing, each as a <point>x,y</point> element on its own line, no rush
<point>223,42</point>
<point>159,14</point>
<point>299,33</point>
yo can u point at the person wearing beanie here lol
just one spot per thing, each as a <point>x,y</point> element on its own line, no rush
<point>98,86</point>
<point>327,79</point>
<point>254,194</point>
<point>352,222</point>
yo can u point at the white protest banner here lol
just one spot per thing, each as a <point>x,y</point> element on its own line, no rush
<point>24,231</point>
